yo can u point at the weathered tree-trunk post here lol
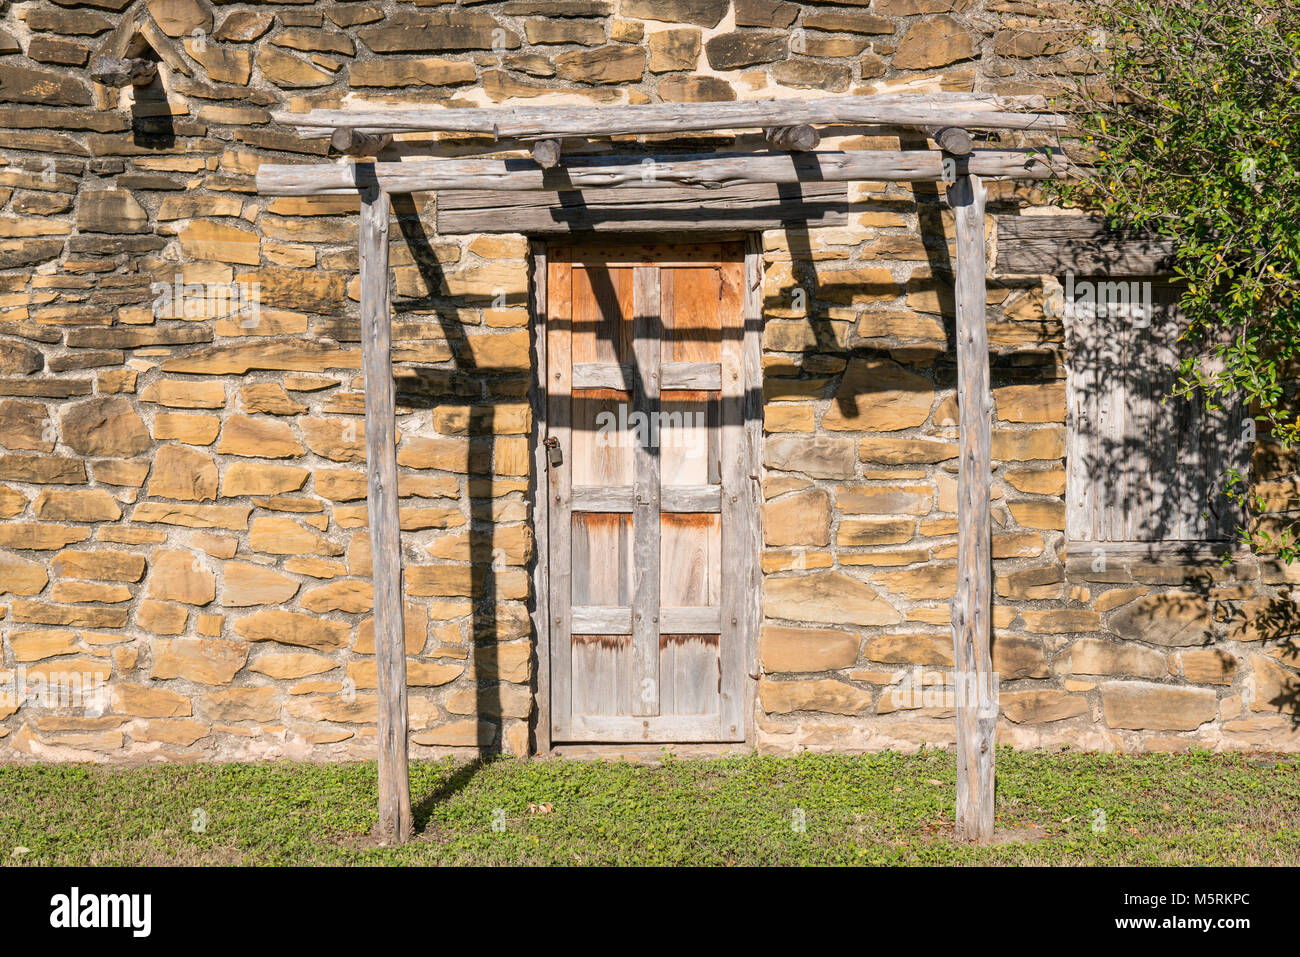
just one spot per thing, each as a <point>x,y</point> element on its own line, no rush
<point>381,472</point>
<point>971,607</point>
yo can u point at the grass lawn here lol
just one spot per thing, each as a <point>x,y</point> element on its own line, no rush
<point>888,808</point>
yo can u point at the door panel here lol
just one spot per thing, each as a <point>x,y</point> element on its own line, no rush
<point>646,402</point>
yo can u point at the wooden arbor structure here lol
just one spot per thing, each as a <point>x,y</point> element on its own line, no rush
<point>789,126</point>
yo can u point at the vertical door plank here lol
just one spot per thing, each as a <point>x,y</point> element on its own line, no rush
<point>690,560</point>
<point>692,321</point>
<point>559,364</point>
<point>602,675</point>
<point>602,300</point>
<point>646,306</point>
<point>690,449</point>
<point>602,455</point>
<point>602,558</point>
<point>690,674</point>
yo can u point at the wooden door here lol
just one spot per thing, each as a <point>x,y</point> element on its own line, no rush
<point>651,507</point>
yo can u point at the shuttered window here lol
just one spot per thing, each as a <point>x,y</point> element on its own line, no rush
<point>1142,467</point>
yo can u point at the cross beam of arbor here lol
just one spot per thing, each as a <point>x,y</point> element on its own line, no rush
<point>979,111</point>
<point>709,171</point>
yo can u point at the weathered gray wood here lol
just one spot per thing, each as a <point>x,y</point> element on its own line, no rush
<point>645,521</point>
<point>680,729</point>
<point>708,171</point>
<point>541,501</point>
<point>690,498</point>
<point>675,375</point>
<point>737,513</point>
<point>972,604</point>
<point>749,573</point>
<point>694,620</point>
<point>690,667</point>
<point>800,138</point>
<point>385,541</point>
<point>114,71</point>
<point>559,344</point>
<point>1056,244</point>
<point>704,376</point>
<point>559,213</point>
<point>951,139</point>
<point>602,498</point>
<point>601,620</point>
<point>1143,466</point>
<point>972,110</point>
<point>351,142</point>
<point>547,153</point>
<point>602,375</point>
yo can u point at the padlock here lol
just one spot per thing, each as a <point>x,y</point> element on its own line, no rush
<point>553,454</point>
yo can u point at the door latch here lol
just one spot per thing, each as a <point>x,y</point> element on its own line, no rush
<point>553,454</point>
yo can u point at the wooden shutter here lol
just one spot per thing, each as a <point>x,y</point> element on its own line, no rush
<point>652,498</point>
<point>1142,467</point>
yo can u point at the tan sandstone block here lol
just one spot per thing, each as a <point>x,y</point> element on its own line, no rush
<point>291,628</point>
<point>207,661</point>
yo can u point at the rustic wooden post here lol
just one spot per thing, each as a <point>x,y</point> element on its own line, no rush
<point>381,473</point>
<point>971,607</point>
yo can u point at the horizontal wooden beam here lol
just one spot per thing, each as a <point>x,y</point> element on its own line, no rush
<point>1054,245</point>
<point>708,171</point>
<point>969,110</point>
<point>741,208</point>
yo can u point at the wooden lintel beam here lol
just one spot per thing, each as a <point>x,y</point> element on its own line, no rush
<point>350,142</point>
<point>973,678</point>
<point>801,138</point>
<point>709,171</point>
<point>969,110</point>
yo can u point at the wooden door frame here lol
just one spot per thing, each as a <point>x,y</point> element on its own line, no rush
<point>752,410</point>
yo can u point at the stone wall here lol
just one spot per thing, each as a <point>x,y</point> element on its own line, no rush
<point>182,511</point>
